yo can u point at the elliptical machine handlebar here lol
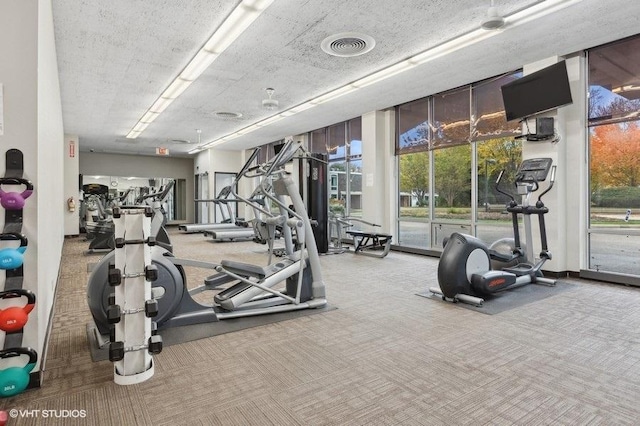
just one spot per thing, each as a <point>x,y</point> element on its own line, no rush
<point>513,200</point>
<point>552,179</point>
<point>159,195</point>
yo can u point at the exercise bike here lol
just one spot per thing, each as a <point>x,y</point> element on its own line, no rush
<point>248,289</point>
<point>464,269</point>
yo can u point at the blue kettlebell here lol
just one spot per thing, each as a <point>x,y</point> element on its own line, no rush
<point>12,258</point>
<point>14,380</point>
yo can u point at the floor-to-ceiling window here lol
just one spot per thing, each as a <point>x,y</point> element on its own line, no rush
<point>343,144</point>
<point>614,153</point>
<point>497,150</point>
<point>354,162</point>
<point>412,150</point>
<point>440,141</point>
<point>451,164</point>
<point>337,150</point>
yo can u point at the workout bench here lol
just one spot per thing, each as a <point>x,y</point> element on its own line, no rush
<point>371,243</point>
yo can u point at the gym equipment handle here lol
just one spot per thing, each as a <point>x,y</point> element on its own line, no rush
<point>12,258</point>
<point>14,380</point>
<point>500,190</point>
<point>15,200</point>
<point>14,318</point>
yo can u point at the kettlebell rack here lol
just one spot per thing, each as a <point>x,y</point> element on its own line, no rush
<point>133,341</point>
<point>14,378</point>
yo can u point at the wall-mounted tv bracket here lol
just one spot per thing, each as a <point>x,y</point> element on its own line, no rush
<point>544,130</point>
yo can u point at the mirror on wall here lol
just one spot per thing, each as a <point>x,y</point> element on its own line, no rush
<point>128,190</point>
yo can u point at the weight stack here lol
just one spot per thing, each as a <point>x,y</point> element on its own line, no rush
<point>131,338</point>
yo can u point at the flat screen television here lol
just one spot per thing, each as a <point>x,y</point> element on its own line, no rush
<point>537,92</point>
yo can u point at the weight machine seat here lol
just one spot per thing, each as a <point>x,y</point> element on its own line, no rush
<point>368,243</point>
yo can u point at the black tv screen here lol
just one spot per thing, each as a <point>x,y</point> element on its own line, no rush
<point>537,92</point>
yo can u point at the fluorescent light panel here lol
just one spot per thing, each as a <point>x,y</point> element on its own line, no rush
<point>334,94</point>
<point>265,122</point>
<point>536,11</point>
<point>236,23</point>
<point>383,74</point>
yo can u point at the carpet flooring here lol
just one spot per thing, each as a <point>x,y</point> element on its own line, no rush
<point>385,357</point>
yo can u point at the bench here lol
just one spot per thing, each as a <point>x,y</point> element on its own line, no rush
<point>371,243</point>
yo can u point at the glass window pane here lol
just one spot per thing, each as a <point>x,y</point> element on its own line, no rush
<point>451,118</point>
<point>414,183</point>
<point>615,175</point>
<point>338,187</point>
<point>414,233</point>
<point>614,147</point>
<point>614,81</point>
<point>413,126</point>
<point>488,119</point>
<point>355,188</point>
<point>442,231</point>
<point>336,141</point>
<point>614,253</point>
<point>354,128</point>
<point>490,233</point>
<point>413,202</point>
<point>452,182</point>
<point>319,141</point>
<point>494,156</point>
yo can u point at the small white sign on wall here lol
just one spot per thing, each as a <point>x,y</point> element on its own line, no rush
<point>369,179</point>
<point>1,111</point>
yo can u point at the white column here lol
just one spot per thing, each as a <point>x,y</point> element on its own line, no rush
<point>379,187</point>
<point>565,220</point>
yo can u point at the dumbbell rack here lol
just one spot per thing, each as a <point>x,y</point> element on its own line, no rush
<point>14,315</point>
<point>133,341</point>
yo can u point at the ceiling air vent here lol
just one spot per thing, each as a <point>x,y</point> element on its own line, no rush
<point>226,115</point>
<point>347,44</point>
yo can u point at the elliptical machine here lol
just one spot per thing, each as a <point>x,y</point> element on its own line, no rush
<point>464,270</point>
<point>291,283</point>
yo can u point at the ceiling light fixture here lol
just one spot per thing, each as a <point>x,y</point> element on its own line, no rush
<point>270,103</point>
<point>228,115</point>
<point>239,20</point>
<point>537,11</point>
<point>493,20</point>
<point>521,17</point>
